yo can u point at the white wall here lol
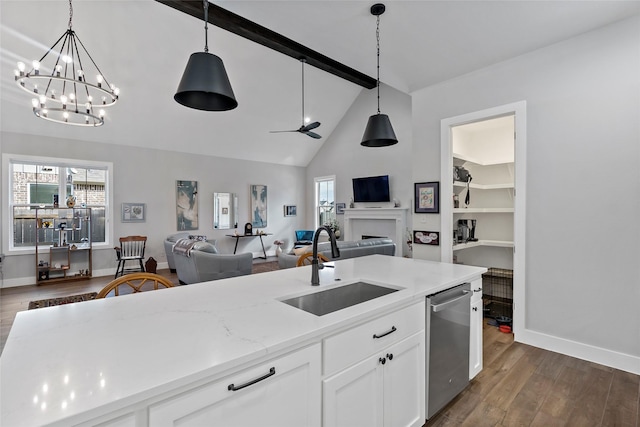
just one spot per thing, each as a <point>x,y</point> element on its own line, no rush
<point>149,176</point>
<point>343,156</point>
<point>583,181</point>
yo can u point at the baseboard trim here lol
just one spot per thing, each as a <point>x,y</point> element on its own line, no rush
<point>602,356</point>
<point>30,280</point>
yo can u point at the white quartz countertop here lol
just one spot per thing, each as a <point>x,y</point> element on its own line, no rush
<point>60,363</point>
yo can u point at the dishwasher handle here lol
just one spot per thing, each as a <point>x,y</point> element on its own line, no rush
<point>439,307</point>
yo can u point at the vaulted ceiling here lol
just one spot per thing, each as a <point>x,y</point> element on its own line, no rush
<point>143,47</point>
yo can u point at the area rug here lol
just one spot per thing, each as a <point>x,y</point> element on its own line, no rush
<point>263,267</point>
<point>62,300</point>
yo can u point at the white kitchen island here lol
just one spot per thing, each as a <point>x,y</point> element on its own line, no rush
<point>135,360</point>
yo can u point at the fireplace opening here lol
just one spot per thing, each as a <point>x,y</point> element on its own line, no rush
<point>367,236</point>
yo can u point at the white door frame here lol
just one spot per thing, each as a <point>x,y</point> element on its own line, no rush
<point>519,110</point>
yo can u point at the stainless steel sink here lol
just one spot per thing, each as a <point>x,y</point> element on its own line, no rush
<point>324,302</point>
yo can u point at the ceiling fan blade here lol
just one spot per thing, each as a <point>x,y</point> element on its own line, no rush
<point>309,126</point>
<point>281,131</point>
<point>313,135</point>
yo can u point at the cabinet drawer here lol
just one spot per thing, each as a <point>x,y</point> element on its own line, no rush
<point>282,392</point>
<point>355,344</point>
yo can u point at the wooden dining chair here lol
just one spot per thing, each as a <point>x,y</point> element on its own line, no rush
<point>305,259</point>
<point>134,283</point>
<point>131,249</point>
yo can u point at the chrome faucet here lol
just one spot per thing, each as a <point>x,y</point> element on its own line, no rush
<point>335,253</point>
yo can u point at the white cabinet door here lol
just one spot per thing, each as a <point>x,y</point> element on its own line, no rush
<point>354,396</point>
<point>404,383</point>
<point>475,337</point>
<point>281,392</point>
<point>383,390</point>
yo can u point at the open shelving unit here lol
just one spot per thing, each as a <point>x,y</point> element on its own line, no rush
<point>491,204</point>
<point>63,244</point>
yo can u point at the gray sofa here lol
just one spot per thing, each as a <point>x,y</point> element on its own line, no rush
<point>203,263</point>
<point>350,249</point>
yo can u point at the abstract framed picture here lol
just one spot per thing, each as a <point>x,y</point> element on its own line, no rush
<point>258,206</point>
<point>187,205</point>
<point>134,212</point>
<point>427,197</point>
<point>340,207</point>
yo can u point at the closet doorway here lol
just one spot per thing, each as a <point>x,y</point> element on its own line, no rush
<point>482,220</point>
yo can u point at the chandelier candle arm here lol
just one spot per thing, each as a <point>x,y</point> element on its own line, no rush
<point>66,84</point>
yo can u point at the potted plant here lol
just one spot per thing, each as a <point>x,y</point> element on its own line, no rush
<point>278,244</point>
<point>334,225</point>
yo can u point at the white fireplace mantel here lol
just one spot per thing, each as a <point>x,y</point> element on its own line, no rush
<point>372,220</point>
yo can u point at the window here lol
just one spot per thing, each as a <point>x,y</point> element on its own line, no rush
<point>325,199</point>
<point>33,182</point>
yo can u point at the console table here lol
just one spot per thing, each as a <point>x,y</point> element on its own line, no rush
<point>240,236</point>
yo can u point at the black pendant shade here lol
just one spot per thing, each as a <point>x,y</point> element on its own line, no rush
<point>205,84</point>
<point>379,132</point>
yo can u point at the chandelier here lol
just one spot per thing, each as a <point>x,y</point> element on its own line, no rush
<point>60,83</point>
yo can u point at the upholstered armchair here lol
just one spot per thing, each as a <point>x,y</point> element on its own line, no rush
<point>197,262</point>
<point>168,248</point>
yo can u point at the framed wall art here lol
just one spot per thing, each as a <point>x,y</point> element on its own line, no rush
<point>290,210</point>
<point>427,197</point>
<point>340,207</point>
<point>134,212</point>
<point>426,237</point>
<point>258,206</point>
<point>187,205</point>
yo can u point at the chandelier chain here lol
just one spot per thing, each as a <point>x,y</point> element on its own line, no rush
<point>206,27</point>
<point>70,14</point>
<point>378,59</point>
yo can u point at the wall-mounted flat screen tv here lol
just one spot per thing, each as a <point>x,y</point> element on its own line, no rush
<point>371,189</point>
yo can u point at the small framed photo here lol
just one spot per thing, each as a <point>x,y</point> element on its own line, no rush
<point>290,210</point>
<point>340,207</point>
<point>427,197</point>
<point>134,212</point>
<point>426,237</point>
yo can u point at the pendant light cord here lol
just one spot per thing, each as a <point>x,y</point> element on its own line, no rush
<point>378,58</point>
<point>302,61</point>
<point>206,27</point>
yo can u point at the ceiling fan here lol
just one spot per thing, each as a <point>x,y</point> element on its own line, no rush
<point>304,129</point>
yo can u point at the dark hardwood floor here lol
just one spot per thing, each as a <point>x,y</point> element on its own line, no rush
<point>520,385</point>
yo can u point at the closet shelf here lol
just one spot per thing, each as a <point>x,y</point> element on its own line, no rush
<point>482,210</point>
<point>492,243</point>
<point>506,185</point>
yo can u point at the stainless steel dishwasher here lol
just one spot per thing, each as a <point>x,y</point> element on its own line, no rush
<point>447,350</point>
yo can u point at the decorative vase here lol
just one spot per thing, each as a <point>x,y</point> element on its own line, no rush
<point>278,250</point>
<point>337,234</point>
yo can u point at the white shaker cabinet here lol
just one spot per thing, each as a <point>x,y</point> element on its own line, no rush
<point>375,372</point>
<point>475,329</point>
<point>281,392</point>
<point>384,390</point>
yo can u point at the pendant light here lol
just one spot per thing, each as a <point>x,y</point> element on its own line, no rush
<point>379,132</point>
<point>205,84</point>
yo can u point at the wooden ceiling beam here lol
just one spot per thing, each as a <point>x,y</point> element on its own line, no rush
<point>243,27</point>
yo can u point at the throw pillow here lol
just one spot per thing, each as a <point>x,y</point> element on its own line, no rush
<point>303,250</point>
